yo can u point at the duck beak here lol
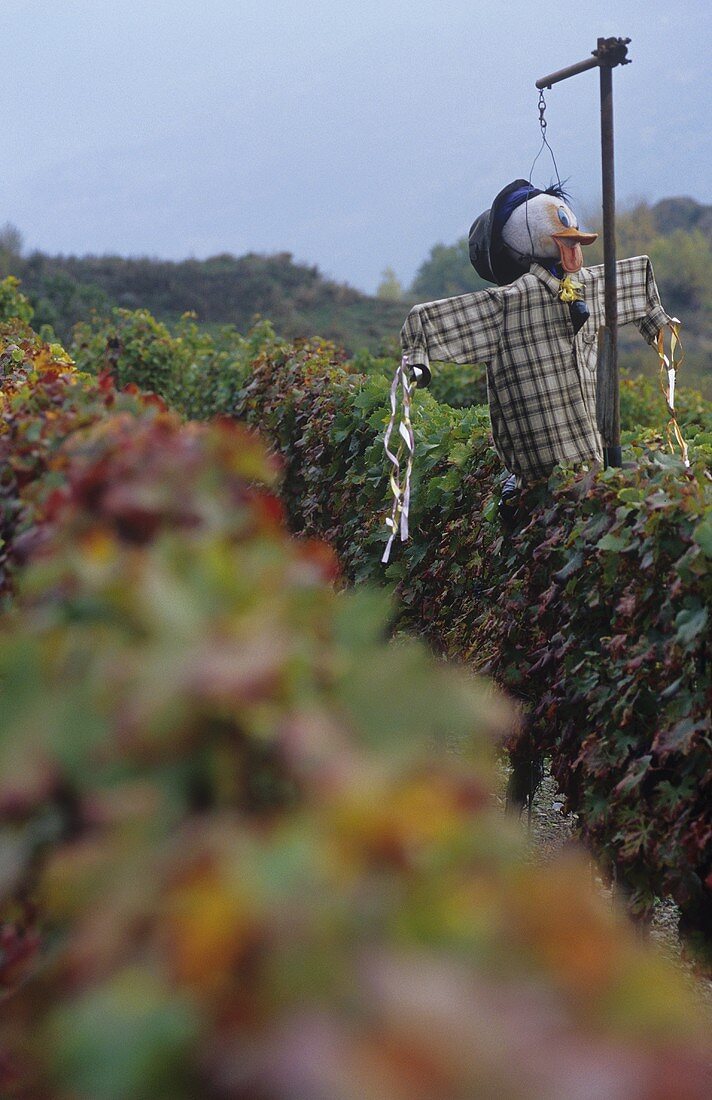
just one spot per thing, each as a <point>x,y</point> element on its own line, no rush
<point>569,242</point>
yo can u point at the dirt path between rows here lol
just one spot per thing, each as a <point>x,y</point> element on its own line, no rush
<point>552,830</point>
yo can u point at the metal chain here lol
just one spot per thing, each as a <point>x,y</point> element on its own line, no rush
<point>542,109</point>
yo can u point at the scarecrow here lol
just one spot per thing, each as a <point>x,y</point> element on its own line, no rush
<point>537,333</point>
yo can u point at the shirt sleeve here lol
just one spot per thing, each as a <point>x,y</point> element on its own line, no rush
<point>464,329</point>
<point>638,297</point>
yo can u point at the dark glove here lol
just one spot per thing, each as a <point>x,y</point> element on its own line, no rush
<point>421,375</point>
<point>579,314</point>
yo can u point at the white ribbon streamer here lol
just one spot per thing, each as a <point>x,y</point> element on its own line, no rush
<point>400,480</point>
<point>668,379</point>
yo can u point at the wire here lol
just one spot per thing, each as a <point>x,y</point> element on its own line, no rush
<point>544,142</point>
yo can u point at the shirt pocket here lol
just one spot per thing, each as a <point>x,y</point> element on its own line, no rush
<point>587,351</point>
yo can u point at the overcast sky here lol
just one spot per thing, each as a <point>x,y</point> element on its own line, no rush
<point>354,135</point>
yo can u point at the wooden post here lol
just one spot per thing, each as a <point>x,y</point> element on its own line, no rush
<point>608,381</point>
<point>609,53</point>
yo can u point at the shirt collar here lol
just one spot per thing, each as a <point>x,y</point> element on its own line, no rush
<point>552,282</point>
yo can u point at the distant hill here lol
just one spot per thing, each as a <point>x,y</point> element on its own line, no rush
<point>224,289</point>
<point>682,213</point>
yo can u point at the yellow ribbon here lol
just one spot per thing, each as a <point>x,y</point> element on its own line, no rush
<point>668,380</point>
<point>570,291</point>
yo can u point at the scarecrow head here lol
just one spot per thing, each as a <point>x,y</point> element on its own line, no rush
<point>524,225</point>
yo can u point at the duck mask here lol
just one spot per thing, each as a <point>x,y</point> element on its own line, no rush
<point>524,225</point>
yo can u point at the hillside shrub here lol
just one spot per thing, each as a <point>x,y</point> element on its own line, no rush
<point>249,848</point>
<point>199,372</point>
<point>455,384</point>
<point>612,647</point>
<point>43,400</point>
<point>133,347</point>
<point>13,304</point>
<point>642,405</point>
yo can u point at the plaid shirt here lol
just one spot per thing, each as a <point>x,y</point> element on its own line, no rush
<point>541,379</point>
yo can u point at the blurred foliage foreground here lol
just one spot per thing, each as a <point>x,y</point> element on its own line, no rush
<point>595,614</point>
<point>249,849</point>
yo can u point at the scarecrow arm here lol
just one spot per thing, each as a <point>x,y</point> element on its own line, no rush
<point>464,329</point>
<point>638,297</point>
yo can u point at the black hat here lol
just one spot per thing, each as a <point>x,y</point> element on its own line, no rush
<point>489,255</point>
